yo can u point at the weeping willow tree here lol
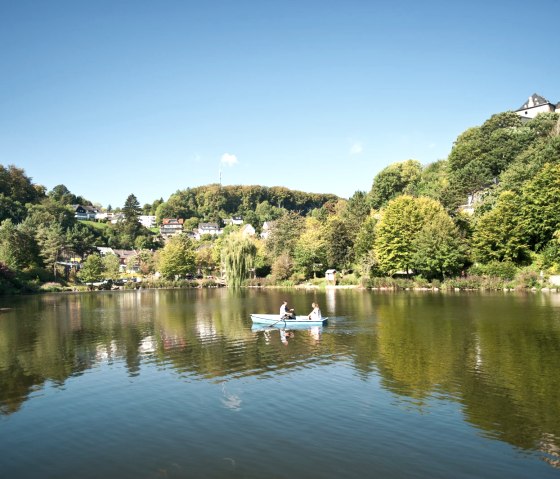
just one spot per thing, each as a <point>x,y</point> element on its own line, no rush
<point>238,256</point>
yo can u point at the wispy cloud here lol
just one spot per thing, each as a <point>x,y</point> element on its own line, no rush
<point>228,159</point>
<point>356,148</point>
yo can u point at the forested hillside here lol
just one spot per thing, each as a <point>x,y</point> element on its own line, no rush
<point>492,208</point>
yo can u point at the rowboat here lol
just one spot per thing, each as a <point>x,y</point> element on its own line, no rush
<point>274,319</point>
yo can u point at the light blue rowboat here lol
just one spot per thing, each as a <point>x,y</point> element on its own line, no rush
<point>274,320</point>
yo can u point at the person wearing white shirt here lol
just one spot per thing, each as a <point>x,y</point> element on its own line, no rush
<point>315,313</point>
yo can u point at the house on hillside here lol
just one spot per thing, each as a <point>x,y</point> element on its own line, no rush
<point>124,256</point>
<point>84,212</point>
<point>103,216</point>
<point>234,220</point>
<point>212,229</point>
<point>170,227</point>
<point>247,230</point>
<point>536,104</point>
<point>147,221</point>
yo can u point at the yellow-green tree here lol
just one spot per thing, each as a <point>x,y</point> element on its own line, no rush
<point>238,255</point>
<point>177,258</point>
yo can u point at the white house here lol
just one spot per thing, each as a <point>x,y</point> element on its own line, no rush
<point>212,229</point>
<point>148,221</point>
<point>84,212</point>
<point>247,230</point>
<point>536,104</point>
<point>234,220</point>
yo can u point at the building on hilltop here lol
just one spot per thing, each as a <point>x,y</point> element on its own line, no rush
<point>536,104</point>
<point>84,212</point>
<point>148,221</point>
<point>171,227</point>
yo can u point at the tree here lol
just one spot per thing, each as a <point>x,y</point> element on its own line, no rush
<point>365,239</point>
<point>339,244</point>
<point>394,180</point>
<point>541,206</point>
<point>438,247</point>
<point>282,267</point>
<point>111,266</point>
<point>177,257</point>
<point>62,195</point>
<point>238,255</point>
<point>11,241</point>
<point>131,209</point>
<point>284,234</point>
<point>146,261</point>
<point>15,184</point>
<point>80,240</point>
<point>52,240</point>
<point>499,234</point>
<point>311,249</point>
<point>402,220</point>
<point>91,269</point>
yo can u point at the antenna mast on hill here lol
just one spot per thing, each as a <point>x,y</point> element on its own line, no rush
<point>220,172</point>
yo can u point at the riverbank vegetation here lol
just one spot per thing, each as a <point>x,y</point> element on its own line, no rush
<point>486,217</point>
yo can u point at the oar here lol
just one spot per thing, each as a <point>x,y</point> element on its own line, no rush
<point>281,319</point>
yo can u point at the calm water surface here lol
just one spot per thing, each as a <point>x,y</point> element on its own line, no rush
<point>177,384</point>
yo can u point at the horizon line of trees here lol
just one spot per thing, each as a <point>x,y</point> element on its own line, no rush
<point>409,222</point>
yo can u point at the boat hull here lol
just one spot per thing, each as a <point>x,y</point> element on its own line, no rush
<point>274,319</point>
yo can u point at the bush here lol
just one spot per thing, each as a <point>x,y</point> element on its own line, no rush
<point>527,278</point>
<point>505,270</point>
<point>349,280</point>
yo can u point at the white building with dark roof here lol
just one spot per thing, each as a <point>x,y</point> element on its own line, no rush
<point>536,104</point>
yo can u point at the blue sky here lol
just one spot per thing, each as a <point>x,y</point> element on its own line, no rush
<point>148,97</point>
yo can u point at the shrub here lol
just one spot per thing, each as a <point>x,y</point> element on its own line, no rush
<point>527,278</point>
<point>505,270</point>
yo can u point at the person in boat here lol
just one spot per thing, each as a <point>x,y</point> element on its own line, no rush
<point>286,313</point>
<point>315,313</point>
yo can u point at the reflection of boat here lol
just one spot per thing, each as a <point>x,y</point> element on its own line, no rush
<point>274,320</point>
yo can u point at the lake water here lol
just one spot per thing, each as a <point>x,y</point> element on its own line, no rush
<point>177,384</point>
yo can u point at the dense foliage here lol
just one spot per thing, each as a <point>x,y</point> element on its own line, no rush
<point>413,222</point>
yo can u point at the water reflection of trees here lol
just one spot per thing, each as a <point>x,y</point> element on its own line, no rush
<point>502,364</point>
<point>499,358</point>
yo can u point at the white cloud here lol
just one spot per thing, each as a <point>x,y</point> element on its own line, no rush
<point>228,159</point>
<point>356,148</point>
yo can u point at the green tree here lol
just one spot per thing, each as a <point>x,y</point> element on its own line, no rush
<point>177,257</point>
<point>438,247</point>
<point>310,252</point>
<point>339,243</point>
<point>52,241</point>
<point>365,239</point>
<point>284,234</point>
<point>401,221</point>
<point>111,266</point>
<point>18,248</point>
<point>238,255</point>
<point>394,180</point>
<point>80,240</point>
<point>499,234</point>
<point>91,269</point>
<point>146,261</point>
<point>541,206</point>
<point>131,209</point>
